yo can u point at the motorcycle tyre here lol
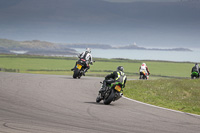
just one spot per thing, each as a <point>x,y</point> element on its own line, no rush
<point>110,98</point>
<point>144,77</point>
<point>76,73</point>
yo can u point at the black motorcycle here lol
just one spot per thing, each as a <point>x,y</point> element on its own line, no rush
<point>79,69</point>
<point>111,93</point>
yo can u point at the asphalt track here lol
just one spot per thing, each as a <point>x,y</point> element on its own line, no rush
<point>34,103</point>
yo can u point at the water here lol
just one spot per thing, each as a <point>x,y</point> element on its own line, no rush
<point>176,56</point>
<point>18,51</point>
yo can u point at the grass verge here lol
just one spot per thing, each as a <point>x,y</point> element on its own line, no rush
<point>178,94</point>
<point>102,67</point>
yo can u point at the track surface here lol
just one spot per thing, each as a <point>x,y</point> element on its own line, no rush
<point>31,103</point>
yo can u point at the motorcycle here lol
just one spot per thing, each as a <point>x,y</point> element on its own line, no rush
<point>112,93</point>
<point>144,75</point>
<point>194,75</point>
<point>79,69</point>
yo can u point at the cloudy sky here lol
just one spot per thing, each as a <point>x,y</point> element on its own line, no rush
<point>150,23</point>
<point>122,1</point>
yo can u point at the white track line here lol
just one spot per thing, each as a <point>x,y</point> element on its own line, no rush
<point>159,107</point>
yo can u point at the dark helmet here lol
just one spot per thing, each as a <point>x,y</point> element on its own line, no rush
<point>120,68</point>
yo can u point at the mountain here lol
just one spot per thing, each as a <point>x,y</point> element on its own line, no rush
<point>98,21</point>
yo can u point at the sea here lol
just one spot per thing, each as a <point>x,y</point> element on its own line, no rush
<point>175,56</point>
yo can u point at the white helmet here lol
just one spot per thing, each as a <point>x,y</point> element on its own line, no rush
<point>88,50</point>
<point>144,64</point>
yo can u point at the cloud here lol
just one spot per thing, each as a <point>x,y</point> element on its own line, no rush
<point>125,1</point>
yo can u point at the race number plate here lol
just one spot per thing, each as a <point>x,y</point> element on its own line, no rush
<point>79,66</point>
<point>118,88</point>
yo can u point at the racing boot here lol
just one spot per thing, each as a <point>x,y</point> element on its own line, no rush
<point>74,67</point>
<point>99,98</point>
<point>85,71</point>
<point>100,95</point>
<point>103,88</point>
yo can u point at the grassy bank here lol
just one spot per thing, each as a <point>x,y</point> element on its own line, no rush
<point>177,94</point>
<point>62,65</point>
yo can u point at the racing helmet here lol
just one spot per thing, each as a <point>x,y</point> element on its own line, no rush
<point>144,64</point>
<point>120,68</point>
<point>88,50</point>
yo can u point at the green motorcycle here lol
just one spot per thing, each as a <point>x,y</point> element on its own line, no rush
<point>111,93</point>
<point>194,75</point>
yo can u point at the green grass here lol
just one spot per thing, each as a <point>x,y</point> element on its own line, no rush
<point>49,65</point>
<point>177,94</point>
<point>36,64</point>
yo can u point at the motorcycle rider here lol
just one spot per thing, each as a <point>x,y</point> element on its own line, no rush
<point>87,56</point>
<point>144,68</point>
<point>116,76</point>
<point>196,69</point>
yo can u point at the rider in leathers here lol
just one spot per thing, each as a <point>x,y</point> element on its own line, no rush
<point>116,76</point>
<point>144,68</point>
<point>196,69</point>
<point>86,55</point>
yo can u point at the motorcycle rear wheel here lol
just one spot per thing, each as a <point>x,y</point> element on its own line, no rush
<point>109,99</point>
<point>76,73</point>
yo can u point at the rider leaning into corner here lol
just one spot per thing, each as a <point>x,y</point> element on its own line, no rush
<point>116,76</point>
<point>87,56</point>
<point>142,68</point>
<point>196,68</point>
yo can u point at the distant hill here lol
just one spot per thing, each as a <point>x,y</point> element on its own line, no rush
<point>134,46</point>
<point>34,47</point>
<point>37,47</point>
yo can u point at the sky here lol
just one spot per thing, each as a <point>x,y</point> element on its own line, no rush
<point>122,1</point>
<point>149,23</point>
